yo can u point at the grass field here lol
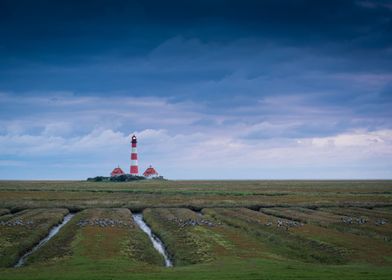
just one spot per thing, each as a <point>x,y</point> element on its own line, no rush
<point>4,211</point>
<point>99,234</point>
<point>19,232</point>
<point>211,229</point>
<point>346,219</point>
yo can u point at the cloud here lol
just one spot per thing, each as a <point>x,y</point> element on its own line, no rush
<point>375,4</point>
<point>72,115</point>
<point>174,154</point>
<point>358,139</point>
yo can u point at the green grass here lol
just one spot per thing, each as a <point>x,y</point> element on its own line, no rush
<point>240,247</point>
<point>4,211</point>
<point>223,269</point>
<point>332,218</point>
<point>17,240</point>
<point>370,228</point>
<point>77,195</point>
<point>185,244</point>
<point>286,243</point>
<point>92,242</point>
<point>328,227</point>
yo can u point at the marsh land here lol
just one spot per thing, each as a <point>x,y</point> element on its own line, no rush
<point>210,229</point>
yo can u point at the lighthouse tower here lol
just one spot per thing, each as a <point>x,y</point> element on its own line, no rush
<point>134,167</point>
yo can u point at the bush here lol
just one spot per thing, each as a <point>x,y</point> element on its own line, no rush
<point>126,178</point>
<point>98,179</point>
<point>120,178</point>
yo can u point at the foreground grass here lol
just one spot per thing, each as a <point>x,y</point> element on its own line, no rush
<point>191,238</point>
<point>4,211</point>
<point>81,240</point>
<point>25,229</point>
<point>279,240</point>
<point>227,268</point>
<point>333,218</point>
<point>329,227</point>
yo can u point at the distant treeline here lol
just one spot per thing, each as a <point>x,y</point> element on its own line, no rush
<point>119,178</point>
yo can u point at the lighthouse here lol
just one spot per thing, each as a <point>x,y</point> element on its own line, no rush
<point>134,167</point>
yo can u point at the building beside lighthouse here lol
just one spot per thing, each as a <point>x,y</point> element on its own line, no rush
<point>117,172</point>
<point>150,173</point>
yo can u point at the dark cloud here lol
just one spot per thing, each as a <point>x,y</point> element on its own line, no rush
<point>93,26</point>
<point>224,54</point>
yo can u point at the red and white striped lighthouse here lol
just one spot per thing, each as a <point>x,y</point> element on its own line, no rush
<point>134,167</point>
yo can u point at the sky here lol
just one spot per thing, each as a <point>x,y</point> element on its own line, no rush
<point>215,89</point>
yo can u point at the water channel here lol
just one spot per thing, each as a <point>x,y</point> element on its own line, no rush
<point>156,242</point>
<point>52,233</point>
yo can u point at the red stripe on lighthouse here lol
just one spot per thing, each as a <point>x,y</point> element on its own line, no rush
<point>134,170</point>
<point>133,156</point>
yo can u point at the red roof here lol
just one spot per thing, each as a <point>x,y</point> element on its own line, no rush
<point>117,171</point>
<point>150,172</point>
